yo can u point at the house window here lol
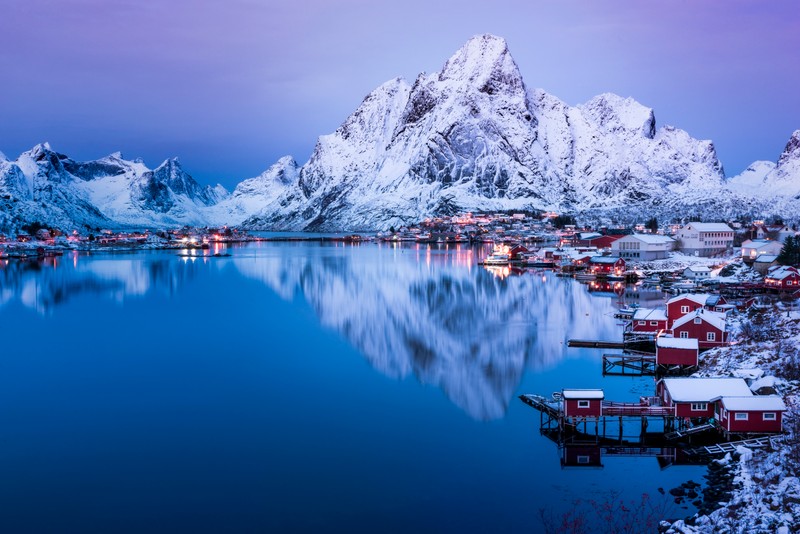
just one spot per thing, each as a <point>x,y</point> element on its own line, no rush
<point>711,336</point>
<point>642,323</point>
<point>684,309</point>
<point>697,320</point>
<point>684,335</point>
<point>699,406</point>
<point>653,323</point>
<point>583,404</point>
<point>769,416</point>
<point>741,416</point>
<point>583,459</point>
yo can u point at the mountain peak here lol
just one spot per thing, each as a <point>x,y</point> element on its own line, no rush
<point>479,59</point>
<point>792,150</point>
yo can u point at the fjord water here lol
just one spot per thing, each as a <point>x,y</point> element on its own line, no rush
<point>296,387</point>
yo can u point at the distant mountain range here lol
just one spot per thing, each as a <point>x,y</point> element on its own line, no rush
<point>471,137</point>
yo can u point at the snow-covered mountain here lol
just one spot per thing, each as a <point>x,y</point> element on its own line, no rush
<point>45,186</point>
<point>471,137</point>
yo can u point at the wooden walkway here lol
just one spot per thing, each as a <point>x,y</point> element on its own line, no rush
<point>723,448</point>
<point>689,431</point>
<point>541,404</point>
<point>592,344</point>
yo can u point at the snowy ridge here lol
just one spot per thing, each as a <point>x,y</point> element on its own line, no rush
<point>45,186</point>
<point>471,137</point>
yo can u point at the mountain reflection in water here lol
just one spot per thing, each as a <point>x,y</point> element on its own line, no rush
<point>426,312</point>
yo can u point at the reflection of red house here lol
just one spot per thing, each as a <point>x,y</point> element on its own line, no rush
<point>516,252</point>
<point>606,265</point>
<point>707,327</point>
<point>679,306</point>
<point>695,397</point>
<point>581,456</point>
<point>676,351</point>
<point>752,413</point>
<point>582,402</point>
<point>783,278</point>
<point>647,320</point>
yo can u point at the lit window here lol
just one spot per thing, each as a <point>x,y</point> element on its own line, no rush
<point>741,416</point>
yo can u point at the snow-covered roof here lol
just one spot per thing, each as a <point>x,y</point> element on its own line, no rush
<point>667,342</point>
<point>652,239</point>
<point>705,389</point>
<point>782,272</point>
<point>604,259</point>
<point>649,314</point>
<point>767,258</point>
<point>582,394</point>
<point>710,227</point>
<point>715,319</point>
<point>753,403</point>
<point>589,235</point>
<point>698,269</point>
<point>699,298</point>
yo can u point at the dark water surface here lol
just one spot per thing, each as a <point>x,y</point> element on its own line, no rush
<point>296,387</point>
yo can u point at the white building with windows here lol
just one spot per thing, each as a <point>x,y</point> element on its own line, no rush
<point>705,239</point>
<point>643,247</point>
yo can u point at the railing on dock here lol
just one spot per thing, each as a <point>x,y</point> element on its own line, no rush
<point>614,409</point>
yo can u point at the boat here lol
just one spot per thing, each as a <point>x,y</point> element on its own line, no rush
<point>495,259</point>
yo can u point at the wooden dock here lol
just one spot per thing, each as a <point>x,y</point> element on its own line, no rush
<point>592,344</point>
<point>635,409</point>
<point>724,448</point>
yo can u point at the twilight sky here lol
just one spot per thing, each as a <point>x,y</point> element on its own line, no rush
<point>231,86</point>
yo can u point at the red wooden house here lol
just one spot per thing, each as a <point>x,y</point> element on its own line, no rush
<point>694,398</point>
<point>647,320</point>
<point>583,402</point>
<point>751,414</point>
<point>783,278</point>
<point>707,327</point>
<point>676,351</point>
<point>607,265</point>
<point>680,305</point>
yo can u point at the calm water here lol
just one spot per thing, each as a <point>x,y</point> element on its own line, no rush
<point>295,387</point>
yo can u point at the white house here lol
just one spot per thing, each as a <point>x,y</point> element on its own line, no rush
<point>697,272</point>
<point>643,247</point>
<point>753,248</point>
<point>705,239</point>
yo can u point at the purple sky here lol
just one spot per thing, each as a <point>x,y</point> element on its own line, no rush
<point>231,86</point>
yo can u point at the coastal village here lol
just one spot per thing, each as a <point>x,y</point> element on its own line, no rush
<point>722,346</point>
